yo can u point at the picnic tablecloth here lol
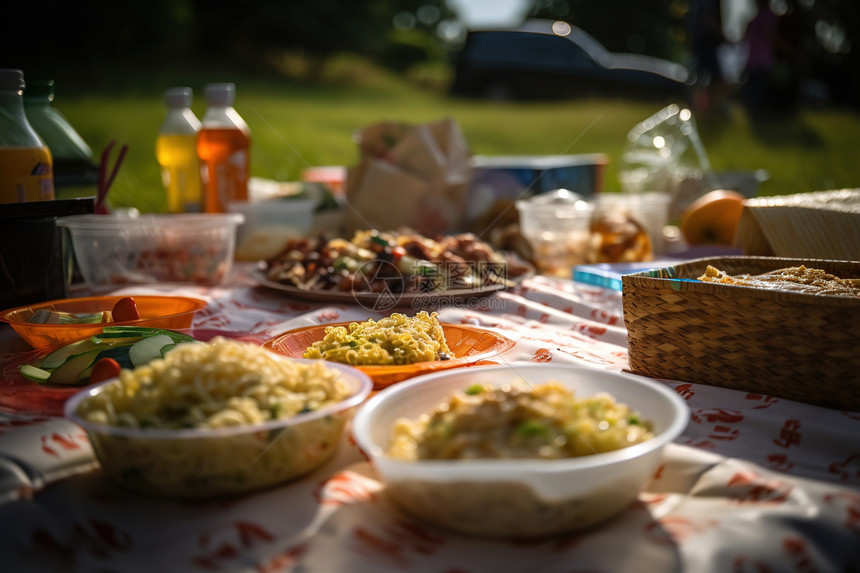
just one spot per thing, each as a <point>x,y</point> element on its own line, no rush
<point>755,483</point>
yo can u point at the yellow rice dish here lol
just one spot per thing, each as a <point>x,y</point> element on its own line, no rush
<point>519,421</point>
<point>394,340</point>
<point>216,384</point>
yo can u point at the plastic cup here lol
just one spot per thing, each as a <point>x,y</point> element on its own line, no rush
<point>650,209</point>
<point>557,226</point>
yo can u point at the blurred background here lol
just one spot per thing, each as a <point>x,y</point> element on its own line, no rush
<point>310,74</point>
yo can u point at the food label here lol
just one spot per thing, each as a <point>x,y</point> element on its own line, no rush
<point>26,174</point>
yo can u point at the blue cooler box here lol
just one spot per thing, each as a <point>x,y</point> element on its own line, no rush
<point>510,178</point>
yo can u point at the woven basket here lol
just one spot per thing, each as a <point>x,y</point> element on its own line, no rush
<point>797,346</point>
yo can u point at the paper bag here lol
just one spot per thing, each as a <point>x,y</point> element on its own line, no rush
<point>416,176</point>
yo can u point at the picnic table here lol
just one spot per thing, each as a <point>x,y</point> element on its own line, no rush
<point>755,482</point>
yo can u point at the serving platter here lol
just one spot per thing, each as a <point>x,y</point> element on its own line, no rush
<point>21,394</point>
<point>469,344</point>
<point>381,301</point>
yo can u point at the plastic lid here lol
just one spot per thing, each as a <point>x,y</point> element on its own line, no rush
<point>178,97</point>
<point>554,199</point>
<point>220,95</point>
<point>12,80</point>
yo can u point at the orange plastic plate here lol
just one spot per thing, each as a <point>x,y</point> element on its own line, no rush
<point>170,312</point>
<point>24,395</point>
<point>470,345</point>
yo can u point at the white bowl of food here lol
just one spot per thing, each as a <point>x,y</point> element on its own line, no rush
<point>514,454</point>
<point>217,418</point>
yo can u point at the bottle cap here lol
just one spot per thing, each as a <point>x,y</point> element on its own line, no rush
<point>178,97</point>
<point>220,95</point>
<point>12,80</point>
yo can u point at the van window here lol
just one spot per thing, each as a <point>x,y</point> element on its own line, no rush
<point>536,52</point>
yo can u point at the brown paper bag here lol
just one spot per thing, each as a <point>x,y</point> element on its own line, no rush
<point>416,176</point>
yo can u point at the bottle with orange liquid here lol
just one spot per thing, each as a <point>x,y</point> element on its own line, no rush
<point>26,165</point>
<point>176,152</point>
<point>223,145</point>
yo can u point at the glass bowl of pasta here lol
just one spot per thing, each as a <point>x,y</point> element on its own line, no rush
<point>394,348</point>
<point>217,418</point>
<point>519,451</point>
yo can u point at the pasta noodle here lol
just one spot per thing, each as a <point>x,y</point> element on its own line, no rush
<point>216,384</point>
<point>393,340</point>
<point>220,386</point>
<point>517,421</point>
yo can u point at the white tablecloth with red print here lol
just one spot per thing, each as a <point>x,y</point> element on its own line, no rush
<point>755,483</point>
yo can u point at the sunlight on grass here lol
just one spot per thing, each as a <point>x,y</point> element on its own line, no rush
<point>297,125</point>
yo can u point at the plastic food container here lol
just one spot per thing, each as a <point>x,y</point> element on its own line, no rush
<point>170,312</point>
<point>270,224</point>
<point>195,462</point>
<point>557,225</point>
<point>650,209</point>
<point>518,498</point>
<point>116,250</point>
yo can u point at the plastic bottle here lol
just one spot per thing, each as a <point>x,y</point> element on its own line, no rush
<point>75,172</point>
<point>26,167</point>
<point>176,151</point>
<point>223,146</point>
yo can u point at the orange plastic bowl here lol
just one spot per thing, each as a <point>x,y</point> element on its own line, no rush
<point>470,345</point>
<point>170,312</point>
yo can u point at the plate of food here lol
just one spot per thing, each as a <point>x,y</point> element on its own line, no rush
<point>388,270</point>
<point>43,379</point>
<point>395,347</point>
<point>59,321</point>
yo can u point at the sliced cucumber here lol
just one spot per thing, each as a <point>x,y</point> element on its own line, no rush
<point>84,318</point>
<point>148,349</point>
<point>118,353</point>
<point>31,372</point>
<point>167,348</point>
<point>56,358</point>
<point>125,331</point>
<point>102,336</point>
<point>41,316</point>
<point>70,372</point>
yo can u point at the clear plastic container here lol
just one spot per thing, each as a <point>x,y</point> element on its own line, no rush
<point>26,164</point>
<point>118,249</point>
<point>650,209</point>
<point>223,145</point>
<point>270,224</point>
<point>176,152</point>
<point>556,224</point>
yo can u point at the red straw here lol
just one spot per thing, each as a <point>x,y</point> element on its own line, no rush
<point>104,184</point>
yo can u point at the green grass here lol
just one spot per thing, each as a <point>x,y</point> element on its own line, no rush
<point>296,125</point>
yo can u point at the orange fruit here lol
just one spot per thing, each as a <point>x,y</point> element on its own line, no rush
<point>712,219</point>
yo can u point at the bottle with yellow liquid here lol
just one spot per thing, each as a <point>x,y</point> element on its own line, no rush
<point>176,151</point>
<point>26,166</point>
